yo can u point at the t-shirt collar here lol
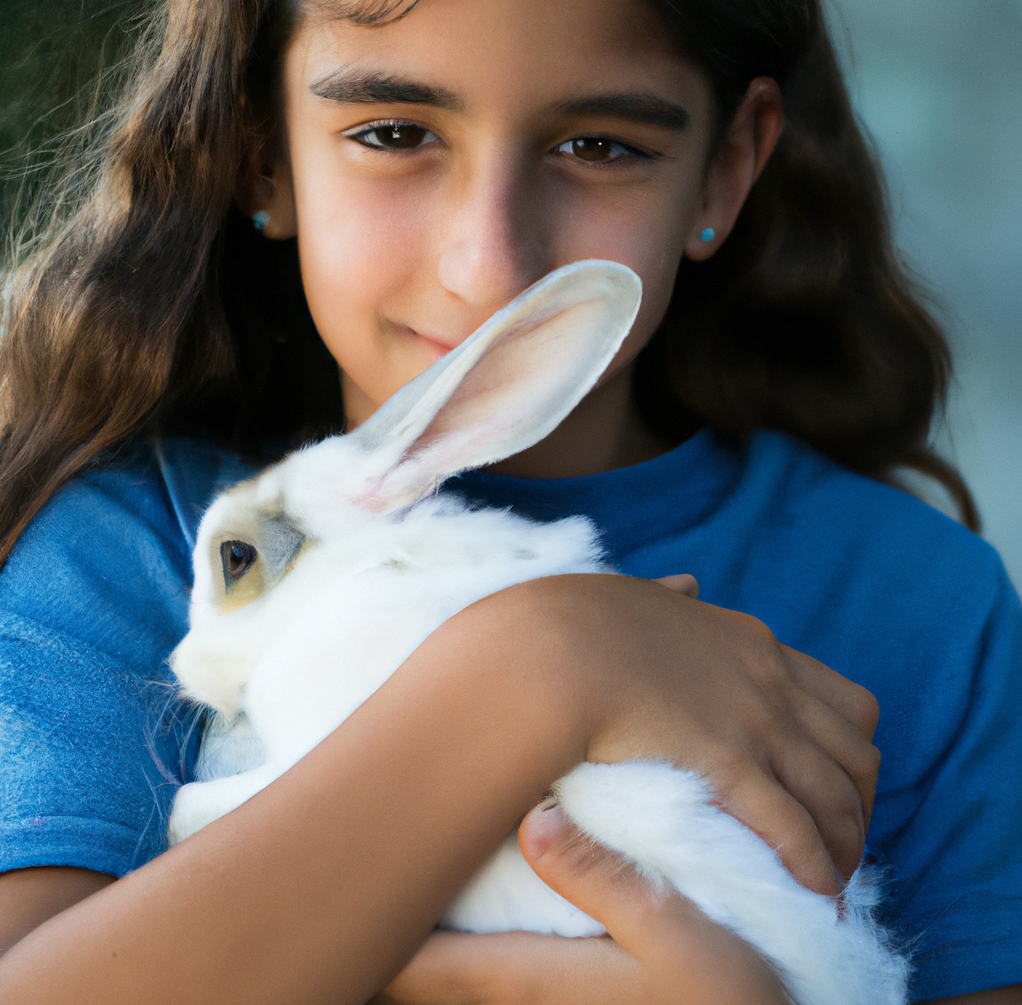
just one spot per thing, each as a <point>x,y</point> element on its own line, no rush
<point>633,505</point>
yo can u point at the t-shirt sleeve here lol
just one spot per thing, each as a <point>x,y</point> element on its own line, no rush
<point>94,741</point>
<point>957,890</point>
<point>91,755</point>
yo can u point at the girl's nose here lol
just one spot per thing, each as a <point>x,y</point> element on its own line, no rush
<point>493,243</point>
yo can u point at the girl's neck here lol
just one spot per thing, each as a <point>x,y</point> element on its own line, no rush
<point>604,432</point>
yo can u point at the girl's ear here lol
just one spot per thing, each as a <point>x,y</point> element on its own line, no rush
<point>509,385</point>
<point>735,167</point>
<point>266,196</point>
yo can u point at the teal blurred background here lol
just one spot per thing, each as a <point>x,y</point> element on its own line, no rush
<point>938,84</point>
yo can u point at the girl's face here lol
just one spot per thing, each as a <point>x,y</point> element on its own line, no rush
<point>440,164</point>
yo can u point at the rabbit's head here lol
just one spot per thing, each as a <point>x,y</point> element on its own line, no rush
<point>502,390</point>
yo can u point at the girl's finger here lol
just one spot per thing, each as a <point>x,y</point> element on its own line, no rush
<point>678,954</point>
<point>682,583</point>
<point>591,876</point>
<point>785,824</point>
<point>835,806</point>
<point>840,741</point>
<point>841,717</point>
<point>853,702</point>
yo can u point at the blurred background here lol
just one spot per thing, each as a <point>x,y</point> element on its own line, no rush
<point>938,84</point>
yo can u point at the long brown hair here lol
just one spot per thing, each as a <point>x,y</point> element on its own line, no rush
<point>146,304</point>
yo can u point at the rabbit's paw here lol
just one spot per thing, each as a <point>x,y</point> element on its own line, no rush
<point>193,809</point>
<point>200,803</point>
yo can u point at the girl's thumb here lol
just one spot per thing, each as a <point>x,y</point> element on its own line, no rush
<point>593,878</point>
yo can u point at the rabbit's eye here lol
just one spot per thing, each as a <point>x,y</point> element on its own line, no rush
<point>237,558</point>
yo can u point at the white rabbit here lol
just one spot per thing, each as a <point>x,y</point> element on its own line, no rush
<point>316,579</point>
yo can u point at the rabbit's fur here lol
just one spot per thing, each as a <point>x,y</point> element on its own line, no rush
<point>315,580</point>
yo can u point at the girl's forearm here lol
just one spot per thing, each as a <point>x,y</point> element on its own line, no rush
<point>322,886</point>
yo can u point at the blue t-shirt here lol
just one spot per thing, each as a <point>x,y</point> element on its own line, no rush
<point>862,576</point>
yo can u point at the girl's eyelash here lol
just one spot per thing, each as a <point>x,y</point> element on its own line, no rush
<point>604,150</point>
<point>415,136</point>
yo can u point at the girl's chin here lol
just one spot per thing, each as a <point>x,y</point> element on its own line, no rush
<point>408,354</point>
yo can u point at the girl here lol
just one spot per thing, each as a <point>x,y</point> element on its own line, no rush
<point>408,168</point>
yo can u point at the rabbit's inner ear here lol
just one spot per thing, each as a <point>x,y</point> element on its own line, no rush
<point>249,570</point>
<point>507,386</point>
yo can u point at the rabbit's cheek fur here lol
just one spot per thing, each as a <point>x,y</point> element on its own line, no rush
<point>214,664</point>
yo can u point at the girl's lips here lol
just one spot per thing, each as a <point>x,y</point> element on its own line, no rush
<point>440,345</point>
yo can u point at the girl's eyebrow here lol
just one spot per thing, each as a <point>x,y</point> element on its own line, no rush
<point>635,106</point>
<point>352,86</point>
<point>359,87</point>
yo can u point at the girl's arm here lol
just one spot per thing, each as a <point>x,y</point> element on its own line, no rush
<point>324,884</point>
<point>28,897</point>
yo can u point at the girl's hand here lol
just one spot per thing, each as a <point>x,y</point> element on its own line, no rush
<point>784,740</point>
<point>849,699</point>
<point>659,948</point>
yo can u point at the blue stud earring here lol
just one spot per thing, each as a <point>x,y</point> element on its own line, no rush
<point>709,234</point>
<point>260,219</point>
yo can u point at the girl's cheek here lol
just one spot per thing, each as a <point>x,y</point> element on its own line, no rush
<point>649,237</point>
<point>359,247</point>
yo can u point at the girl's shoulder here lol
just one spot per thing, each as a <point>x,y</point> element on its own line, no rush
<point>93,598</point>
<point>860,574</point>
<point>857,572</point>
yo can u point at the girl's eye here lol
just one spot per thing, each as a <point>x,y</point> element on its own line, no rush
<point>597,149</point>
<point>394,136</point>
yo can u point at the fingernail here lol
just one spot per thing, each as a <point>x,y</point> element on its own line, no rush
<point>543,827</point>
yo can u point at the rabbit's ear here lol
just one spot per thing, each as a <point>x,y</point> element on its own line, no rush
<point>507,386</point>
